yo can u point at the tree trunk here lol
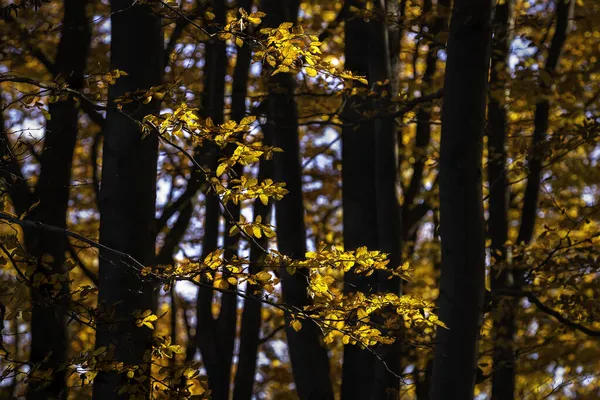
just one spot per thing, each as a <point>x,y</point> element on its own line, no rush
<point>310,364</point>
<point>564,14</point>
<point>503,375</point>
<point>251,316</point>
<point>215,337</point>
<point>387,384</point>
<point>461,205</point>
<point>358,200</point>
<point>49,307</point>
<point>410,210</point>
<point>128,196</point>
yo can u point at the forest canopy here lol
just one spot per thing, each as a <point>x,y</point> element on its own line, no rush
<point>285,199</point>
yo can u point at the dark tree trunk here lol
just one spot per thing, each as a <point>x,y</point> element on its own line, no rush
<point>215,337</point>
<point>128,195</point>
<point>410,210</point>
<point>503,375</point>
<point>310,364</point>
<point>49,307</point>
<point>251,316</point>
<point>358,200</point>
<point>564,13</point>
<point>461,204</point>
<point>386,385</point>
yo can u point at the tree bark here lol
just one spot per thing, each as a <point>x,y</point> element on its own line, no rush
<point>387,384</point>
<point>461,205</point>
<point>358,200</point>
<point>564,14</point>
<point>251,316</point>
<point>49,307</point>
<point>503,375</point>
<point>310,364</point>
<point>215,336</point>
<point>128,195</point>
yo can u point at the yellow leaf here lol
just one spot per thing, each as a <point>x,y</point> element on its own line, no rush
<point>264,199</point>
<point>149,324</point>
<point>310,71</point>
<point>232,281</point>
<point>99,351</point>
<point>130,374</point>
<point>221,284</point>
<point>297,325</point>
<point>46,114</point>
<point>239,42</point>
<point>248,120</point>
<point>328,15</point>
<point>234,230</point>
<point>209,16</point>
<point>263,276</point>
<point>221,169</point>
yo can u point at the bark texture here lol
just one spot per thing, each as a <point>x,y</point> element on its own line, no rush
<point>310,364</point>
<point>251,316</point>
<point>461,206</point>
<point>49,335</point>
<point>387,383</point>
<point>128,194</point>
<point>358,202</point>
<point>503,375</point>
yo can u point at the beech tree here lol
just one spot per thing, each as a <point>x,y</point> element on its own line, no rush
<point>127,198</point>
<point>462,287</point>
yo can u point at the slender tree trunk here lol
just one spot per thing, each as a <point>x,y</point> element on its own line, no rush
<point>128,195</point>
<point>358,200</point>
<point>215,337</point>
<point>251,316</point>
<point>49,306</point>
<point>387,384</point>
<point>310,364</point>
<point>461,205</point>
<point>564,14</point>
<point>410,210</point>
<point>503,375</point>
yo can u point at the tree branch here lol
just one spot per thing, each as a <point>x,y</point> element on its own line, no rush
<point>532,298</point>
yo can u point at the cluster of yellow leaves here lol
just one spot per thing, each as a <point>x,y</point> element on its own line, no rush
<point>184,120</point>
<point>144,318</point>
<point>248,189</point>
<point>288,49</point>
<point>220,272</point>
<point>111,76</point>
<point>361,261</point>
<point>236,27</point>
<point>369,319</point>
<point>256,228</point>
